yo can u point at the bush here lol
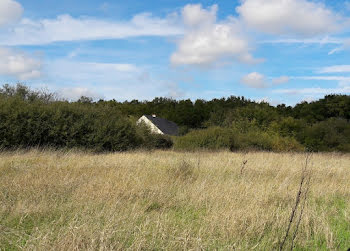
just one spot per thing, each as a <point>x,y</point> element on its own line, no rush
<point>332,134</point>
<point>216,138</point>
<point>38,119</point>
<point>213,138</point>
<point>267,141</point>
<point>26,124</point>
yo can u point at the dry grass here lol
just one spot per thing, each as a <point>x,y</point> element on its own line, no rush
<point>169,200</point>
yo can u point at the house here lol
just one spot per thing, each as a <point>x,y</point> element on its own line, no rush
<point>159,125</point>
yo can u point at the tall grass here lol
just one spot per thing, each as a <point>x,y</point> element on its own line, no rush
<point>170,200</point>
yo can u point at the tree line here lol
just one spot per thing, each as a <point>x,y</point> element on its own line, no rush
<point>30,118</point>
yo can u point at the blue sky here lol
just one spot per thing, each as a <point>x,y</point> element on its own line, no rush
<point>280,51</point>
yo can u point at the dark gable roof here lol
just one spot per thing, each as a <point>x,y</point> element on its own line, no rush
<point>166,126</point>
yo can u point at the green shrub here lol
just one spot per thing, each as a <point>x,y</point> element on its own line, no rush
<point>332,134</point>
<point>267,141</point>
<point>26,124</point>
<point>213,138</point>
<point>216,138</point>
<point>38,119</point>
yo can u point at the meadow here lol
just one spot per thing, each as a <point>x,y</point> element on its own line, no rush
<point>70,200</point>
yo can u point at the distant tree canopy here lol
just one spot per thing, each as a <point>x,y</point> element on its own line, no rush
<point>38,118</point>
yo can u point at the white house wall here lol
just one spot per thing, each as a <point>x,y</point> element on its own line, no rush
<point>149,123</point>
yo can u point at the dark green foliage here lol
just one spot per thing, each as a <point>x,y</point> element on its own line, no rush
<point>62,124</point>
<point>266,141</point>
<point>37,118</point>
<point>216,138</point>
<point>213,138</point>
<point>288,126</point>
<point>332,106</point>
<point>330,135</point>
<point>30,122</point>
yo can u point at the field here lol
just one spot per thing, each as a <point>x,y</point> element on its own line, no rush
<point>176,201</point>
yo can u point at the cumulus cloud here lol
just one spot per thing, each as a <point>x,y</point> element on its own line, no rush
<point>19,65</point>
<point>257,80</point>
<point>10,11</point>
<point>195,16</point>
<point>68,28</point>
<point>289,17</point>
<point>207,41</point>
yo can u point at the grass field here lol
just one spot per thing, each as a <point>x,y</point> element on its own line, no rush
<point>174,201</point>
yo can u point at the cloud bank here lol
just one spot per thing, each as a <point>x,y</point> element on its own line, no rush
<point>68,28</point>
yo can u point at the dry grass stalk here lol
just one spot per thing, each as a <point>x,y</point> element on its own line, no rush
<point>172,201</point>
<point>305,175</point>
<point>243,166</point>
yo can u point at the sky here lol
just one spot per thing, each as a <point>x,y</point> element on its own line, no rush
<point>277,51</point>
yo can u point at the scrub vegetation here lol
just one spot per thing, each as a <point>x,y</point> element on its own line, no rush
<point>30,118</point>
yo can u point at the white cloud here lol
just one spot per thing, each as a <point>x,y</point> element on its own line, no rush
<point>10,11</point>
<point>325,78</point>
<point>269,100</point>
<point>335,69</point>
<point>195,16</point>
<point>320,41</point>
<point>19,65</point>
<point>289,17</point>
<point>110,67</point>
<point>280,80</point>
<point>345,46</point>
<point>257,80</point>
<point>207,41</point>
<point>341,89</point>
<point>335,50</point>
<point>68,28</point>
<point>91,72</point>
<point>119,81</point>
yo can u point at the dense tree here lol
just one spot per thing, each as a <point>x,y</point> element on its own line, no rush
<point>37,118</point>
